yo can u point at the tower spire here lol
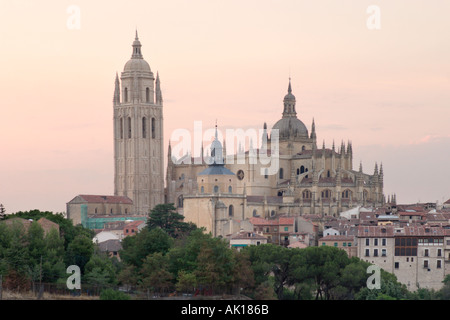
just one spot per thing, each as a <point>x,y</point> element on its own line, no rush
<point>116,99</point>
<point>137,54</point>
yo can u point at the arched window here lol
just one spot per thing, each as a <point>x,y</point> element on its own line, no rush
<point>255,213</point>
<point>266,173</point>
<point>230,189</point>
<point>216,189</point>
<point>144,127</point>
<point>202,189</point>
<point>129,128</point>
<point>125,95</point>
<point>326,194</point>
<point>306,194</point>
<point>121,128</point>
<point>302,169</point>
<point>230,211</point>
<point>346,194</point>
<point>180,201</point>
<point>272,213</point>
<point>147,95</point>
<point>281,173</point>
<point>153,128</point>
<point>328,173</point>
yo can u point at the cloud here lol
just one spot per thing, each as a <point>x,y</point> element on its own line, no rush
<point>430,138</point>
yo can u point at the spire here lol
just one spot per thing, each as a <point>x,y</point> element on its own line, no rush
<point>116,99</point>
<point>137,54</point>
<point>169,153</point>
<point>217,150</point>
<point>313,130</point>
<point>158,94</point>
<point>289,103</point>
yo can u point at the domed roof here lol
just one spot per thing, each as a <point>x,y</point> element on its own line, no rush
<point>291,127</point>
<point>137,62</point>
<point>137,65</point>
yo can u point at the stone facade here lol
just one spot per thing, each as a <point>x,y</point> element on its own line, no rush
<point>98,205</point>
<point>308,180</point>
<point>417,255</point>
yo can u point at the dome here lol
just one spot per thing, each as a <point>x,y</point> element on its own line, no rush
<point>137,65</point>
<point>291,127</point>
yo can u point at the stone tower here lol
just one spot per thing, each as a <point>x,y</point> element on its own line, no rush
<point>138,134</point>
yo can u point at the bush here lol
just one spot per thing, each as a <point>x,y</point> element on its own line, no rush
<point>111,294</point>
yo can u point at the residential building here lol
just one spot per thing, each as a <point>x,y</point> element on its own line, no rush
<point>415,254</point>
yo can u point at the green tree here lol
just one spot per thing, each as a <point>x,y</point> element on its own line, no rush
<point>79,251</point>
<point>155,274</point>
<point>271,259</point>
<point>136,248</point>
<point>320,266</point>
<point>187,282</point>
<point>36,243</point>
<point>243,276</point>
<point>128,276</point>
<point>166,217</point>
<point>99,270</point>
<point>390,289</point>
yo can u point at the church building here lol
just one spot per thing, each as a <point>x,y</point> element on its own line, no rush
<point>309,180</point>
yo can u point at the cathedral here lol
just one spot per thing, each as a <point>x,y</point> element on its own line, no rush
<point>309,180</point>
<point>220,194</point>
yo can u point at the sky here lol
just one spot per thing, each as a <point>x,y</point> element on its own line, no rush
<point>373,72</point>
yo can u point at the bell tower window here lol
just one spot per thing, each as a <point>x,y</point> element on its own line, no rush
<point>121,128</point>
<point>144,127</point>
<point>125,95</point>
<point>153,128</point>
<point>147,95</point>
<point>129,128</point>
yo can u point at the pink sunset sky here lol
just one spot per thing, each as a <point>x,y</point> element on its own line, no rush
<point>387,90</point>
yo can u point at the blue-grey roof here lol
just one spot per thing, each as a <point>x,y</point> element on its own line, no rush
<point>215,170</point>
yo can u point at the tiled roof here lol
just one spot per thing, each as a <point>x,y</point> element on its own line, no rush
<point>265,222</point>
<point>110,245</point>
<point>392,231</point>
<point>133,224</point>
<point>404,213</point>
<point>105,199</point>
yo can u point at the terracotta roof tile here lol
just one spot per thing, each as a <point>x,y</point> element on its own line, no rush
<point>106,199</point>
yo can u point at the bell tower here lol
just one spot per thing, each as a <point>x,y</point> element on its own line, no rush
<point>138,134</point>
